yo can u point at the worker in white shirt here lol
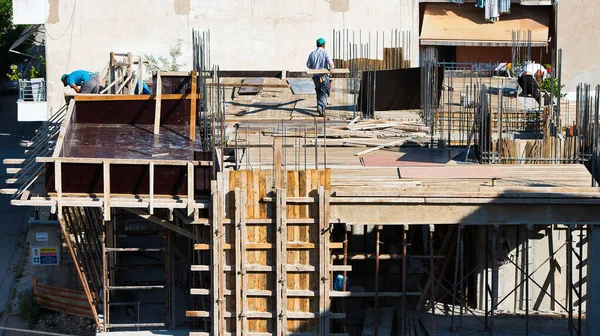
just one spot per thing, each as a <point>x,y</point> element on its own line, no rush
<point>531,73</point>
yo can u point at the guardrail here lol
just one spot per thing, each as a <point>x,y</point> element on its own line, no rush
<point>32,89</point>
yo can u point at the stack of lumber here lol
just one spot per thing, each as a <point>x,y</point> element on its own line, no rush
<point>379,129</point>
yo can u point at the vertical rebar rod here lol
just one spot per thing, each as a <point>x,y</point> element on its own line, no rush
<point>570,276</point>
<point>404,243</point>
<point>462,274</point>
<point>456,259</point>
<point>432,275</point>
<point>526,253</point>
<point>494,279</point>
<point>377,228</point>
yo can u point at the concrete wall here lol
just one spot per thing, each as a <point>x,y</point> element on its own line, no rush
<point>548,265</point>
<point>577,35</point>
<point>245,34</point>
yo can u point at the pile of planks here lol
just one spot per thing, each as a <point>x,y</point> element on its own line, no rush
<point>379,129</point>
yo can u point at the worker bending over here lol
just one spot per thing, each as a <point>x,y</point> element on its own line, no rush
<point>527,80</point>
<point>319,59</point>
<point>82,81</point>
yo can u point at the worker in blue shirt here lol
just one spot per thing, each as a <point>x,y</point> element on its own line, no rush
<point>319,59</point>
<point>82,81</point>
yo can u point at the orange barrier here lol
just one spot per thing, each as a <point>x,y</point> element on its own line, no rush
<point>63,300</point>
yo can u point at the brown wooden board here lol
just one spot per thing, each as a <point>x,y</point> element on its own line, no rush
<point>301,249</point>
<point>84,178</point>
<point>173,84</point>
<point>132,112</point>
<point>251,90</point>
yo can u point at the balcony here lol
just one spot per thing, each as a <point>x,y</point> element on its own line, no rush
<point>32,105</point>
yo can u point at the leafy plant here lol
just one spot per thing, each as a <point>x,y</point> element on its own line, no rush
<point>162,63</point>
<point>551,86</point>
<point>29,310</point>
<point>15,73</point>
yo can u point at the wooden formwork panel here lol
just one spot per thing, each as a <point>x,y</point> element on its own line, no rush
<point>302,252</point>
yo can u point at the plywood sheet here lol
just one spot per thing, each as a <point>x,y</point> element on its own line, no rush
<point>448,24</point>
<point>302,86</point>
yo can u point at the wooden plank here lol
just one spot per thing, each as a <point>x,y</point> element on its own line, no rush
<point>254,89</point>
<point>262,193</point>
<point>325,71</point>
<point>193,102</point>
<point>215,264</point>
<point>389,144</point>
<point>140,76</point>
<point>151,188</point>
<point>82,278</point>
<point>242,247</point>
<point>278,161</point>
<point>107,196</point>
<point>302,192</point>
<point>322,261</point>
<point>158,105</point>
<point>163,223</point>
<point>123,161</point>
<point>119,97</point>
<point>190,189</point>
<point>63,129</point>
<point>281,260</point>
<point>326,251</point>
<point>238,261</point>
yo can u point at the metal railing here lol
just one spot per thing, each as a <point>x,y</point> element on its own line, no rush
<point>32,89</point>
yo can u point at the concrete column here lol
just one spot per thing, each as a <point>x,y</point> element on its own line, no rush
<point>593,273</point>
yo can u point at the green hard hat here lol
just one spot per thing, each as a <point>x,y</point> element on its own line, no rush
<point>320,41</point>
<point>63,78</point>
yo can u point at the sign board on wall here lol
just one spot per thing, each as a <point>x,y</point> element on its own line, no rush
<point>44,255</point>
<point>41,236</point>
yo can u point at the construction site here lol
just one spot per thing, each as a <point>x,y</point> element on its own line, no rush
<point>432,197</point>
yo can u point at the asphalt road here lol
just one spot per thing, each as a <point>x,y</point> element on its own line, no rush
<point>12,219</point>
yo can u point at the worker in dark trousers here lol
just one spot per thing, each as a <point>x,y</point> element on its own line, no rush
<point>319,59</point>
<point>528,78</point>
<point>82,81</point>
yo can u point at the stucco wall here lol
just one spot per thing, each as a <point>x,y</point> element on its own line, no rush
<point>578,36</point>
<point>245,34</point>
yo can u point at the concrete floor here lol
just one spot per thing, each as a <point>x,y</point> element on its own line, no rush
<point>13,219</point>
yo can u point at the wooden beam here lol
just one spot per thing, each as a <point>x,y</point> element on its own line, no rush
<point>236,85</point>
<point>63,129</point>
<point>389,144</point>
<point>215,258</point>
<point>151,188</point>
<point>326,72</point>
<point>238,262</point>
<point>193,102</point>
<point>123,161</point>
<point>106,183</point>
<point>190,189</point>
<point>58,186</point>
<point>277,146</point>
<point>158,105</point>
<point>140,76</point>
<point>281,262</point>
<point>116,97</point>
<point>162,222</point>
<point>81,275</point>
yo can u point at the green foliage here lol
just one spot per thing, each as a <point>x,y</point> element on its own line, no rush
<point>29,310</point>
<point>551,86</point>
<point>9,33</point>
<point>14,73</point>
<point>162,63</point>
